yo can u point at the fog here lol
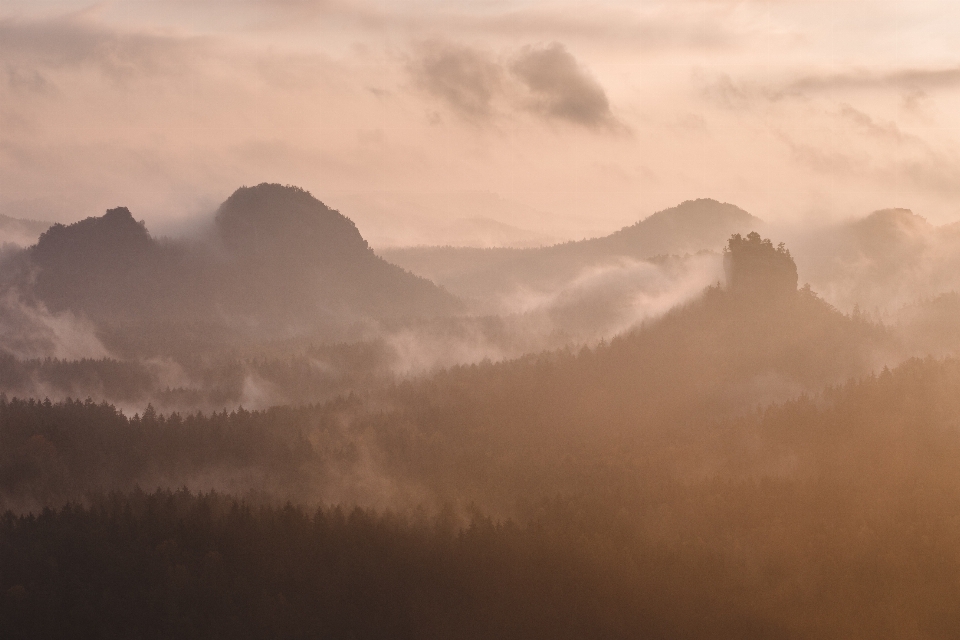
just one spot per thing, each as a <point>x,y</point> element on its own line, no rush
<point>31,331</point>
<point>513,319</point>
<point>230,318</point>
<point>582,124</point>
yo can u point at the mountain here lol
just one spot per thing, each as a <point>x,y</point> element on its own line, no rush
<point>485,275</point>
<point>277,263</point>
<point>883,261</point>
<point>285,253</point>
<point>94,265</point>
<point>693,225</point>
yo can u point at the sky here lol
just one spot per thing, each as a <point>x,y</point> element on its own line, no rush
<point>481,122</point>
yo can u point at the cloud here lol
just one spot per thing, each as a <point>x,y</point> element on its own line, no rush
<point>468,80</point>
<point>30,331</point>
<point>546,81</point>
<point>728,92</point>
<point>562,88</point>
<point>723,90</point>
<point>76,41</point>
<point>654,26</point>
<point>886,131</point>
<point>903,79</point>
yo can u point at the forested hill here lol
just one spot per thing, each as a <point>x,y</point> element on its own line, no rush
<point>831,518</point>
<point>642,488</point>
<point>690,227</point>
<point>284,249</point>
<point>277,259</point>
<point>880,262</point>
<point>758,339</point>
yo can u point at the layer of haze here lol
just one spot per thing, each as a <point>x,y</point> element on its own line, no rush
<point>483,123</point>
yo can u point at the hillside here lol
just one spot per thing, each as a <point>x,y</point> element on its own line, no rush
<point>289,255</point>
<point>486,275</point>
<point>279,262</point>
<point>732,469</point>
<point>646,484</point>
<point>461,431</point>
<point>758,338</point>
<point>882,261</point>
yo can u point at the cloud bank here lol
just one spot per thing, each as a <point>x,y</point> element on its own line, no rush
<point>785,108</point>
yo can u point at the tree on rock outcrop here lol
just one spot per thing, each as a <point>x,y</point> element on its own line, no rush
<point>756,269</point>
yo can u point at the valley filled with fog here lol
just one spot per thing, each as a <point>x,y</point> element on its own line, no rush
<point>720,433</point>
<point>279,299</point>
<point>513,319</point>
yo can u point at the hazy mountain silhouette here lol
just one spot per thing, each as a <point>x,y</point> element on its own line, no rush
<point>883,261</point>
<point>756,339</point>
<point>623,459</point>
<point>693,226</point>
<point>20,232</point>
<point>286,252</point>
<point>278,262</point>
<point>97,263</point>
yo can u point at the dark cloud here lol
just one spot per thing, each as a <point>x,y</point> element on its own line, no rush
<point>546,81</point>
<point>561,88</point>
<point>468,80</point>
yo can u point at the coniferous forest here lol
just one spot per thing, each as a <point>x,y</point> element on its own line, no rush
<point>486,319</point>
<point>750,463</point>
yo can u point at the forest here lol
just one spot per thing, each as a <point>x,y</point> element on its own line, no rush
<point>831,516</point>
<point>749,462</point>
<point>479,319</point>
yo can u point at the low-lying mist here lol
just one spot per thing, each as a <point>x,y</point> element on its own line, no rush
<point>891,269</point>
<point>720,449</point>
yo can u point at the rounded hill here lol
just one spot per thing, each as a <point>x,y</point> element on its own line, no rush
<point>286,221</point>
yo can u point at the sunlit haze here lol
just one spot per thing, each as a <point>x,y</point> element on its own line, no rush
<point>512,319</point>
<point>424,120</point>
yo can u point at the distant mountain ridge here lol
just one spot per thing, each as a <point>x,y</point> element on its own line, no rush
<point>688,228</point>
<point>278,261</point>
<point>882,261</point>
<point>691,226</point>
<point>285,221</point>
<point>20,232</point>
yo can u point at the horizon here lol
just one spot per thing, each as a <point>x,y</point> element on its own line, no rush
<point>431,123</point>
<point>509,319</point>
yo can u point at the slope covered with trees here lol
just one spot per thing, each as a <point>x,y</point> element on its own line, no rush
<point>736,468</point>
<point>825,517</point>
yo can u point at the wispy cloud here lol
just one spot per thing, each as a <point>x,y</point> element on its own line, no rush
<point>466,79</point>
<point>899,79</point>
<point>75,41</point>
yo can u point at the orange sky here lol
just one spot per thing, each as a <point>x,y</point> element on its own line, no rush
<point>484,121</point>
